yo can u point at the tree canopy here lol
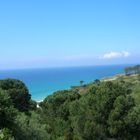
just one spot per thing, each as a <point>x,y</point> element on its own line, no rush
<point>108,110</point>
<point>18,93</point>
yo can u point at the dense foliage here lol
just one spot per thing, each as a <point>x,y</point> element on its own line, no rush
<point>132,70</point>
<point>18,92</point>
<point>108,110</point>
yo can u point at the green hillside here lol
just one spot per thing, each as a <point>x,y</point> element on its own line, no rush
<point>105,109</point>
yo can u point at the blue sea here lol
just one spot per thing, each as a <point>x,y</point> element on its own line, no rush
<point>43,82</point>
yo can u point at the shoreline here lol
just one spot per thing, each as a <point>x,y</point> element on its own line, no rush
<point>105,79</point>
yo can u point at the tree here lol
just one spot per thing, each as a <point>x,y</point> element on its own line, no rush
<point>133,122</point>
<point>30,127</point>
<point>7,111</point>
<point>68,134</point>
<point>129,70</point>
<point>18,92</point>
<point>97,81</point>
<point>137,69</point>
<point>139,75</point>
<point>5,134</point>
<point>81,82</point>
<point>132,70</point>
<point>90,114</point>
<point>117,118</point>
<point>56,112</point>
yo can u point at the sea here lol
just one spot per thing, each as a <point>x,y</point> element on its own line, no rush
<point>45,81</point>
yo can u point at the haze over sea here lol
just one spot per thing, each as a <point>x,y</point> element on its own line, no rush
<point>43,82</point>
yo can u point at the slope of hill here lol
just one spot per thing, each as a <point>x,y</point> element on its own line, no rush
<point>103,109</point>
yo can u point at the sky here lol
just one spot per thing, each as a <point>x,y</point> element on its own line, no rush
<point>61,33</point>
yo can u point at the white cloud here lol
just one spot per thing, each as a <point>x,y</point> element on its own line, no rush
<point>113,55</point>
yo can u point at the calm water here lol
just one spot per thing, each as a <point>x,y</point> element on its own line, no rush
<point>42,82</point>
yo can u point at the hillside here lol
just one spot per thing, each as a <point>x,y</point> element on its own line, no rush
<point>132,79</point>
<point>105,109</point>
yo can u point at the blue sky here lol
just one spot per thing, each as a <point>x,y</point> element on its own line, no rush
<point>55,33</point>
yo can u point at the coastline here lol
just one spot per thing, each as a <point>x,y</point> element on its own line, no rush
<point>44,82</point>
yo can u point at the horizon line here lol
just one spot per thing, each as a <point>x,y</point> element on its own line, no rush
<point>53,67</point>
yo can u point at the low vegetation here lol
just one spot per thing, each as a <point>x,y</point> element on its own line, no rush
<point>106,109</point>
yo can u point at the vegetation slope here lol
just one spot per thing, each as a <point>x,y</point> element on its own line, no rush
<point>106,109</point>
